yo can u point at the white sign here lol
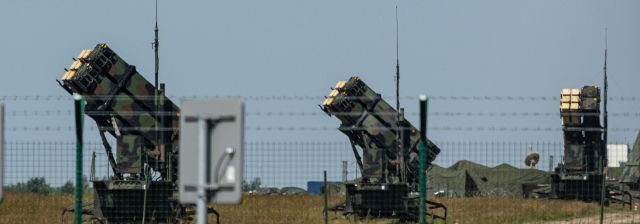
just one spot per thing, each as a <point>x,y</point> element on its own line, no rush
<point>224,148</point>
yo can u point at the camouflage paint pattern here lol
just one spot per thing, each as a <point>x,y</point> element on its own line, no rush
<point>631,172</point>
<point>111,85</point>
<point>590,103</point>
<point>573,155</point>
<point>129,154</point>
<point>371,123</point>
<point>584,150</point>
<point>113,88</point>
<point>372,161</point>
<point>117,95</point>
<point>590,92</point>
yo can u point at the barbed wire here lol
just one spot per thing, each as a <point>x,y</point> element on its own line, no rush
<point>39,113</point>
<point>70,112</point>
<point>99,145</point>
<point>283,113</point>
<point>69,128</point>
<point>431,128</point>
<point>274,97</point>
<point>491,114</point>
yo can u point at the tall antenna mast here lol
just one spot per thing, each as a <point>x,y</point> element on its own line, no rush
<point>155,48</point>
<point>397,70</point>
<point>155,44</point>
<point>156,100</point>
<point>604,147</point>
<point>606,86</point>
<point>399,116</point>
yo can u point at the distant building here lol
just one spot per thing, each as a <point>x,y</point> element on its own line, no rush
<point>617,154</point>
<point>313,187</point>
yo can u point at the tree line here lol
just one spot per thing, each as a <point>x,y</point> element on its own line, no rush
<point>39,185</point>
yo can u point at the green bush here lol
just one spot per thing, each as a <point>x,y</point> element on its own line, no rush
<point>254,185</point>
<point>38,185</point>
<point>68,188</point>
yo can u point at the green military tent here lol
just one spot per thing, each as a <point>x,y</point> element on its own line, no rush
<point>335,189</point>
<point>465,178</point>
<point>293,191</point>
<point>614,173</point>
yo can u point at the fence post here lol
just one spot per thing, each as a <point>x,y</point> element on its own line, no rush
<point>424,101</point>
<point>326,210</point>
<point>79,107</point>
<point>602,192</point>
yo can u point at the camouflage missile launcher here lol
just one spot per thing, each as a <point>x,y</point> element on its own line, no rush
<point>390,146</point>
<point>371,123</point>
<point>115,89</point>
<point>124,104</point>
<point>585,155</point>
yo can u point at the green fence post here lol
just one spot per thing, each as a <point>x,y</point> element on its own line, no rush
<point>79,107</point>
<point>603,192</point>
<point>424,101</point>
<point>326,211</point>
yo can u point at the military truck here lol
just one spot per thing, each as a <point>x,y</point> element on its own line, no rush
<point>390,145</point>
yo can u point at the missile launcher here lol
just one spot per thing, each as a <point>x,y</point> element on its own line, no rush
<point>124,104</point>
<point>582,131</point>
<point>390,146</point>
<point>114,88</point>
<point>582,171</point>
<point>371,123</point>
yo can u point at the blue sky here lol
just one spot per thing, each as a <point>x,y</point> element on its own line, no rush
<point>299,48</point>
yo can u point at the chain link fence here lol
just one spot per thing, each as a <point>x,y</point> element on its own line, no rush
<point>479,182</point>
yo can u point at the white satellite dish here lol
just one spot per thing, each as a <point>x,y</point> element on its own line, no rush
<point>532,159</point>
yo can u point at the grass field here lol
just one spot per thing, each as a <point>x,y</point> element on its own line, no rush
<point>33,208</point>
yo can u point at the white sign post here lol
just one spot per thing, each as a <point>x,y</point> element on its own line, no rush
<point>210,161</point>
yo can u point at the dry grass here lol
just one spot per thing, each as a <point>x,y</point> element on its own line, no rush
<point>32,208</point>
<point>275,209</point>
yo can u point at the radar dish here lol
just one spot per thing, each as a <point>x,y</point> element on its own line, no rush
<point>532,159</point>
